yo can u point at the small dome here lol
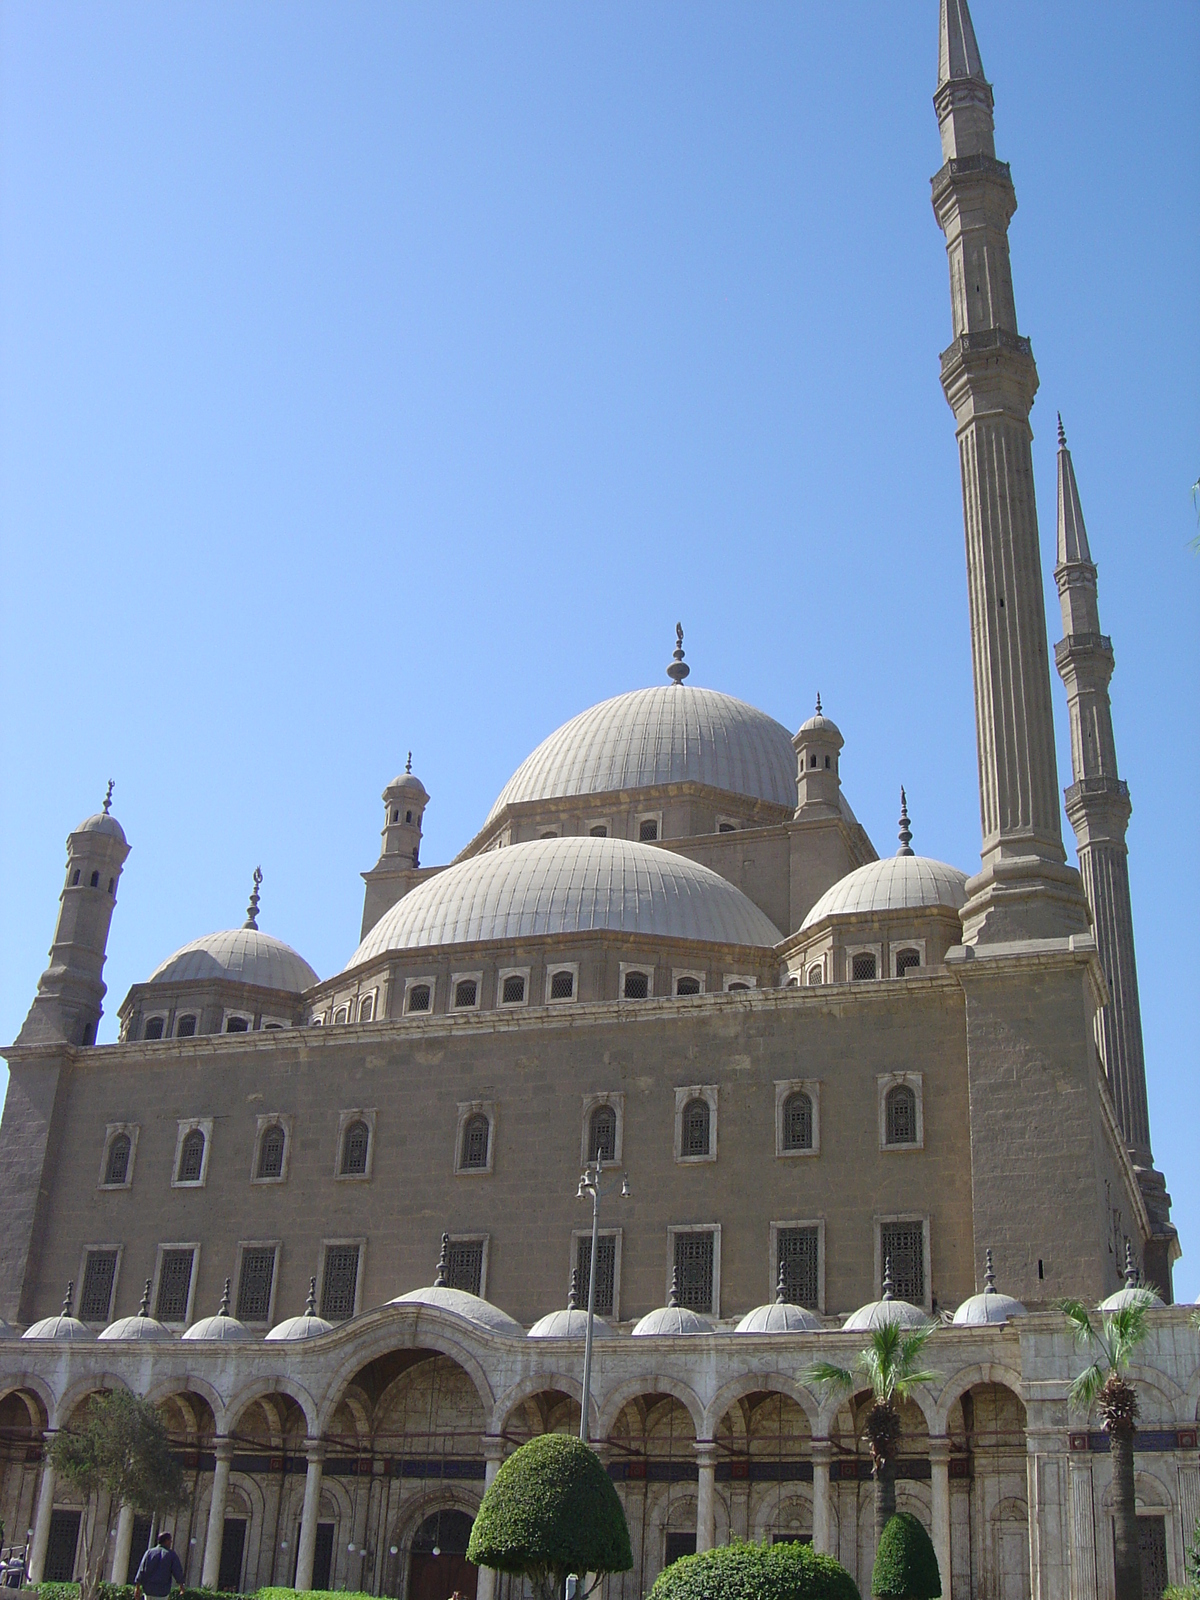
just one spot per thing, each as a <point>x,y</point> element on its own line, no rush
<point>781,1316</point>
<point>306,1326</point>
<point>1133,1293</point>
<point>62,1326</point>
<point>102,822</point>
<point>671,1319</point>
<point>821,725</point>
<point>143,1326</point>
<point>462,1304</point>
<point>222,1327</point>
<point>879,1313</point>
<point>571,1323</point>
<point>897,883</point>
<point>406,784</point>
<point>989,1307</point>
<point>243,955</point>
<point>572,885</point>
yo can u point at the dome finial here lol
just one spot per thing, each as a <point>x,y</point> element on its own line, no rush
<point>989,1275</point>
<point>906,848</point>
<point>408,764</point>
<point>252,909</point>
<point>889,1288</point>
<point>781,1288</point>
<point>442,1280</point>
<point>67,1298</point>
<point>573,1295</point>
<point>673,1297</point>
<point>1131,1272</point>
<point>223,1308</point>
<point>108,798</point>
<point>144,1308</point>
<point>310,1305</point>
<point>1062,433</point>
<point>678,669</point>
<point>818,712</point>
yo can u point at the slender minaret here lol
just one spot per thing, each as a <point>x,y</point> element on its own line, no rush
<point>1024,889</point>
<point>1099,809</point>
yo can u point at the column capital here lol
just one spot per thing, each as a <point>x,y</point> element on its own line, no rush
<point>706,1452</point>
<point>495,1447</point>
<point>314,1450</point>
<point>939,1448</point>
<point>223,1448</point>
<point>822,1450</point>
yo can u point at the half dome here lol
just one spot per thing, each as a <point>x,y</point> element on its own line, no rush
<point>572,885</point>
<point>242,955</point>
<point>897,883</point>
<point>649,737</point>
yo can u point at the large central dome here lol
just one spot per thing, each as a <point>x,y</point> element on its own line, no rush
<point>573,885</point>
<point>649,737</point>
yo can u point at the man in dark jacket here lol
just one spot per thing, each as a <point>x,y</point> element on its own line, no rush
<point>160,1565</point>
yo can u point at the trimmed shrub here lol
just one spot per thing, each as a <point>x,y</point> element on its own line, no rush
<point>551,1510</point>
<point>741,1571</point>
<point>906,1566</point>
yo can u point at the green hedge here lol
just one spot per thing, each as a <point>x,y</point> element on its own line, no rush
<point>906,1566</point>
<point>741,1571</point>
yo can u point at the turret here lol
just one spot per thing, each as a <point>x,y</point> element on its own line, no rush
<point>817,746</point>
<point>396,871</point>
<point>67,1007</point>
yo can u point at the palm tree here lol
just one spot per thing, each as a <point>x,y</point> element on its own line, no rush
<point>1104,1384</point>
<point>891,1368</point>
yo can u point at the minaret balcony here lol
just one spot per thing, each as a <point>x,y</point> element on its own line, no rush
<point>1083,644</point>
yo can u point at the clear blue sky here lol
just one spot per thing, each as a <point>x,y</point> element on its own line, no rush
<point>381,377</point>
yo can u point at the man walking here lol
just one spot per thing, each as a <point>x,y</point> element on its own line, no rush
<point>160,1566</point>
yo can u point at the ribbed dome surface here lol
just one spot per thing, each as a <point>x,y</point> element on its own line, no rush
<point>573,885</point>
<point>103,822</point>
<point>656,736</point>
<point>462,1304</point>
<point>897,883</point>
<point>243,954</point>
<point>779,1317</point>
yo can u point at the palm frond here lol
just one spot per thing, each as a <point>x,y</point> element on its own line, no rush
<point>1087,1386</point>
<point>1079,1319</point>
<point>1126,1328</point>
<point>827,1375</point>
<point>905,1385</point>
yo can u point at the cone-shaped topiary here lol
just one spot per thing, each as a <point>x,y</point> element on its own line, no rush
<point>551,1511</point>
<point>741,1571</point>
<point>906,1565</point>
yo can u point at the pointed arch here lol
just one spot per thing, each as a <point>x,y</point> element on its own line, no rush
<point>412,1327</point>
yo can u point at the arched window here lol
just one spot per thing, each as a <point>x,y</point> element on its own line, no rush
<point>695,1129</point>
<point>514,989</point>
<point>116,1168</point>
<point>900,1115</point>
<point>798,1122</point>
<point>648,830</point>
<point>685,986</point>
<point>600,831</point>
<point>154,1028</point>
<point>474,1154</point>
<point>637,985</point>
<point>906,960</point>
<point>95,880</point>
<point>341,1015</point>
<point>239,1025</point>
<point>75,877</point>
<point>466,991</point>
<point>354,1149</point>
<point>562,985</point>
<point>270,1152</point>
<point>602,1134</point>
<point>738,987</point>
<point>191,1158</point>
<point>862,965</point>
<point>549,834</point>
<point>185,1027</point>
<point>816,974</point>
<point>419,997</point>
<point>366,1008</point>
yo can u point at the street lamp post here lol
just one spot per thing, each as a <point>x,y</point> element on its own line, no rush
<point>591,1182</point>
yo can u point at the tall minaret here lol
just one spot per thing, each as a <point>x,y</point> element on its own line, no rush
<point>1098,807</point>
<point>1024,889</point>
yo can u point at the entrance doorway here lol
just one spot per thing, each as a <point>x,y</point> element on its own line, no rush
<point>439,1564</point>
<point>233,1549</point>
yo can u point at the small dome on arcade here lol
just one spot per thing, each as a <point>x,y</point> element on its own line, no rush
<point>671,1319</point>
<point>241,955</point>
<point>221,1327</point>
<point>903,882</point>
<point>879,1313</point>
<point>989,1307</point>
<point>104,821</point>
<point>307,1326</point>
<point>143,1326</point>
<point>781,1315</point>
<point>62,1326</point>
<point>473,1307</point>
<point>571,1323</point>
<point>1134,1293</point>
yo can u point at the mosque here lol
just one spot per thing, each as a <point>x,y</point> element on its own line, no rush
<point>336,1227</point>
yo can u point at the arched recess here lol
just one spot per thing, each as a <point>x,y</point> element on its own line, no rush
<point>411,1523</point>
<point>759,1383</point>
<point>782,1516</point>
<point>617,1399</point>
<point>544,1410</point>
<point>260,1387</point>
<point>546,1383</point>
<point>81,1390</point>
<point>439,1334</point>
<point>211,1397</point>
<point>35,1394</point>
<point>966,1378</point>
<point>764,1453</point>
<point>24,1414</point>
<point>651,1446</point>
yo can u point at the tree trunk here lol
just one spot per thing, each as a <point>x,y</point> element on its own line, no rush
<point>1127,1555</point>
<point>885,1500</point>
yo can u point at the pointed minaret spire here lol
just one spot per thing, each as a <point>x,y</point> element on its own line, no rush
<point>906,848</point>
<point>678,669</point>
<point>252,909</point>
<point>1072,535</point>
<point>958,53</point>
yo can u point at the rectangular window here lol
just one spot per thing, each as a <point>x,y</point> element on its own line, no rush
<point>63,1542</point>
<point>99,1273</point>
<point>254,1283</point>
<point>902,1244</point>
<point>466,1265</point>
<point>798,1259</point>
<point>340,1282</point>
<point>694,1270</point>
<point>606,1273</point>
<point>174,1284</point>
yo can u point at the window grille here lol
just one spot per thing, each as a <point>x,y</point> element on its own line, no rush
<point>61,1546</point>
<point>341,1016</point>
<point>695,1131</point>
<point>1152,1548</point>
<point>254,1284</point>
<point>354,1149</point>
<point>366,1009</point>
<point>648,830</point>
<point>694,1270</point>
<point>816,974</point>
<point>475,1143</point>
<point>99,1273</point>
<point>600,831</point>
<point>798,1122</point>
<point>606,1272</point>
<point>862,965</point>
<point>796,1250</point>
<point>191,1157</point>
<point>270,1152</point>
<point>185,1027</point>
<point>116,1168</point>
<point>562,985</point>
<point>419,997</point>
<point>174,1284</point>
<point>238,1025</point>
<point>903,1244</point>
<point>900,1115</point>
<point>154,1028</point>
<point>340,1282</point>
<point>602,1134</point>
<point>906,961</point>
<point>465,1265</point>
<point>687,986</point>
<point>637,985</point>
<point>464,993</point>
<point>514,989</point>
